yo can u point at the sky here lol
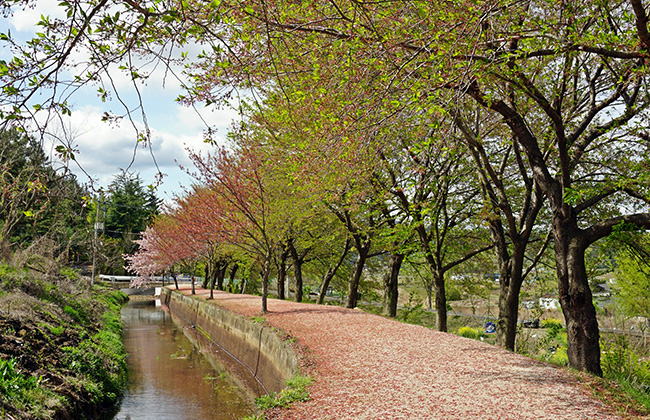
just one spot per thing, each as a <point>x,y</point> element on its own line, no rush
<point>104,149</point>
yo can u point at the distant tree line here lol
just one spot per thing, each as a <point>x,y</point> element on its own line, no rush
<point>44,209</point>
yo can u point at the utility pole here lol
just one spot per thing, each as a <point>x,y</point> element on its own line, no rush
<point>96,228</point>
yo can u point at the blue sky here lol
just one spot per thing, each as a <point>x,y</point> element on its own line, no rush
<point>103,148</point>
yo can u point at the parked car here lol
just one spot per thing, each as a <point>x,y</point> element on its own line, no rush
<point>534,323</point>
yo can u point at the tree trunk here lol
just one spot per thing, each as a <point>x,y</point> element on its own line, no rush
<point>506,330</point>
<point>212,281</point>
<point>583,335</point>
<point>220,273</point>
<point>208,271</point>
<point>439,289</point>
<point>297,270</point>
<point>265,281</point>
<point>282,272</point>
<point>233,271</point>
<point>391,285</point>
<point>282,278</point>
<point>441,300</point>
<point>331,272</point>
<point>327,278</point>
<point>353,285</point>
<point>510,280</point>
<point>242,287</point>
<point>298,261</point>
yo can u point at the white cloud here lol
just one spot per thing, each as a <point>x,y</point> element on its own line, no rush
<point>25,19</point>
<point>104,149</point>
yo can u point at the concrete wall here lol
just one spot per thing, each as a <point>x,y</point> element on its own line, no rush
<point>266,357</point>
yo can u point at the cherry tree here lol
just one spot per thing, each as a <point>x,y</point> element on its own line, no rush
<point>156,254</point>
<point>237,180</point>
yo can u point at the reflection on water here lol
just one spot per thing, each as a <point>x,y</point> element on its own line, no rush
<point>169,378</point>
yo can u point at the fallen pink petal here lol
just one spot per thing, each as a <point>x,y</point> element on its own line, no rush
<point>369,367</point>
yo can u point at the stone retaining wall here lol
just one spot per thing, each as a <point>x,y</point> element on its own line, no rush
<point>266,357</point>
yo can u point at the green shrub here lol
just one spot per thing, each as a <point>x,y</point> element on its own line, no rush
<point>416,315</point>
<point>12,382</point>
<point>468,332</point>
<point>552,323</point>
<point>9,277</point>
<point>69,273</point>
<point>72,312</point>
<point>550,347</point>
<point>111,317</point>
<point>452,292</point>
<point>618,359</point>
<point>627,367</point>
<point>559,357</point>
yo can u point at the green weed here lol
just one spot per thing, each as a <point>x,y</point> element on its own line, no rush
<point>55,330</point>
<point>69,273</point>
<point>552,323</point>
<point>623,364</point>
<point>72,312</point>
<point>24,392</point>
<point>296,390</point>
<point>102,361</point>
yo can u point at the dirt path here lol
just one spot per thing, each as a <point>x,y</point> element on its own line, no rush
<point>370,367</point>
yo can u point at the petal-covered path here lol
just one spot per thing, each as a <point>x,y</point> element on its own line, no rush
<point>370,367</point>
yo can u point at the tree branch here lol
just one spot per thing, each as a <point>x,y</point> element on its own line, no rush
<point>604,228</point>
<point>641,23</point>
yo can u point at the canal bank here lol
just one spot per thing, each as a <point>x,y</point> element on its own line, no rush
<point>264,361</point>
<point>172,378</point>
<point>61,354</point>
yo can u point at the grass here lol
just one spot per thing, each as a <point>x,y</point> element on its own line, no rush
<point>67,331</point>
<point>258,319</point>
<point>296,390</point>
<point>23,390</point>
<point>629,367</point>
<point>616,395</point>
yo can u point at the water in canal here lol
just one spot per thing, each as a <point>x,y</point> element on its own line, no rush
<point>169,378</point>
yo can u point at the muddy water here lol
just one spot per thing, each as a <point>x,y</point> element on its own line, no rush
<point>169,378</point>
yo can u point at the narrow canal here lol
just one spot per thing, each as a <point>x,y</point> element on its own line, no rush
<point>169,378</point>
